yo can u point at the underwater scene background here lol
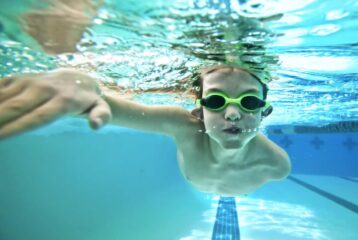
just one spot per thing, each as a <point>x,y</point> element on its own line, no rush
<point>65,181</point>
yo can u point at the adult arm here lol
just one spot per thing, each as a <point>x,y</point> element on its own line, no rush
<point>32,100</point>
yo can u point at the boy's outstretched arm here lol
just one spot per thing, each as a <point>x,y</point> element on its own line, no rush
<point>168,120</point>
<point>32,100</point>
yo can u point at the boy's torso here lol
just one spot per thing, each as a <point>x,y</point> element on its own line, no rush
<point>232,177</point>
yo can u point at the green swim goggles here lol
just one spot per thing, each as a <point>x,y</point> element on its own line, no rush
<point>247,102</point>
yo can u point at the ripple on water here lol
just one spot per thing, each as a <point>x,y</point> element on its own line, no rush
<point>325,29</point>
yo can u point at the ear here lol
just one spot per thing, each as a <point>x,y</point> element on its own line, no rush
<point>198,113</point>
<point>267,111</point>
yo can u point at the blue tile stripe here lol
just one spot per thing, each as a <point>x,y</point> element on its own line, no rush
<point>344,203</point>
<point>226,225</point>
<point>350,179</point>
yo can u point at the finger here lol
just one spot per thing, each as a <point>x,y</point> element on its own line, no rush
<point>45,114</point>
<point>21,104</point>
<point>5,82</point>
<point>100,114</point>
<point>10,90</point>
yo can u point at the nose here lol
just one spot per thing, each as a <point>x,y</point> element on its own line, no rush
<point>232,113</point>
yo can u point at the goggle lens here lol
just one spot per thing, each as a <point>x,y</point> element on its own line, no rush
<point>216,102</point>
<point>252,103</point>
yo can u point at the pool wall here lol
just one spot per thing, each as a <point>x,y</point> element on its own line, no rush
<point>329,150</point>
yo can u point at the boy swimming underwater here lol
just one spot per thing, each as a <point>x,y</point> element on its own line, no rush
<point>218,147</point>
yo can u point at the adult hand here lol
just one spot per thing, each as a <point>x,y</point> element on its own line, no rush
<point>31,100</point>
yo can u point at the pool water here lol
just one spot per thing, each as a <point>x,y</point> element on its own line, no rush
<point>66,182</point>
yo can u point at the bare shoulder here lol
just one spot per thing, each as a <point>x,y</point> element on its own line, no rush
<point>183,124</point>
<point>277,159</point>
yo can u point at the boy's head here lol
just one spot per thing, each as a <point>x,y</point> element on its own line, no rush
<point>231,123</point>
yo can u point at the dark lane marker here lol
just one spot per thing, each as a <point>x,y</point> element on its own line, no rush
<point>226,225</point>
<point>344,203</point>
<point>350,179</point>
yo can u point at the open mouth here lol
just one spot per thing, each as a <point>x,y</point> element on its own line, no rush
<point>233,130</point>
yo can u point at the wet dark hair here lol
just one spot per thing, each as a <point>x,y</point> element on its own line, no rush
<point>198,81</point>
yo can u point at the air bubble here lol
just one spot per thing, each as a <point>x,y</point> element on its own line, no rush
<point>327,97</point>
<point>326,29</point>
<point>98,21</point>
<point>336,14</point>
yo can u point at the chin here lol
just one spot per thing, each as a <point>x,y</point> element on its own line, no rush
<point>232,144</point>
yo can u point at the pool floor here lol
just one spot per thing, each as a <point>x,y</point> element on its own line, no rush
<point>302,207</point>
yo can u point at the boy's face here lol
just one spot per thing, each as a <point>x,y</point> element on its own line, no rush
<point>233,84</point>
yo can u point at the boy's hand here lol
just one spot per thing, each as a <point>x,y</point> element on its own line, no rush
<point>32,100</point>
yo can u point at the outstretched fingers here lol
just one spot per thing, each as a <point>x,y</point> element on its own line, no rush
<point>21,104</point>
<point>6,82</point>
<point>10,89</point>
<point>42,115</point>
